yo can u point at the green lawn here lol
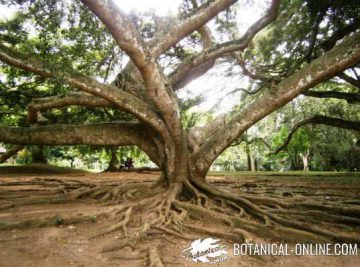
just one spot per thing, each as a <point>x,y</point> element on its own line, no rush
<point>315,176</point>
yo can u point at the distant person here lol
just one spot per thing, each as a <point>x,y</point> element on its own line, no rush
<point>129,164</point>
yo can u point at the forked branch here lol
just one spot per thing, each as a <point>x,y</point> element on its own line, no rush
<point>217,51</point>
<point>70,99</point>
<point>192,22</point>
<point>341,57</point>
<point>121,28</point>
<point>120,98</point>
<point>318,119</point>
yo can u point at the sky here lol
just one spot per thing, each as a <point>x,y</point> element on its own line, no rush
<point>162,7</point>
<point>213,85</point>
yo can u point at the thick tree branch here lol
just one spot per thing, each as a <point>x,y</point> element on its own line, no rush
<point>205,36</point>
<point>70,99</point>
<point>120,98</point>
<point>201,69</point>
<point>212,53</point>
<point>102,134</point>
<point>6,155</point>
<point>334,122</point>
<point>156,85</point>
<point>121,28</point>
<point>339,34</point>
<point>313,35</point>
<point>198,135</point>
<point>246,72</point>
<point>349,97</point>
<point>128,39</point>
<point>341,57</point>
<point>192,22</point>
<point>204,31</point>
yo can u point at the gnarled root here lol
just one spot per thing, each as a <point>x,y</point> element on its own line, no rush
<point>143,210</point>
<point>39,191</point>
<point>121,225</point>
<point>154,258</point>
<point>238,218</point>
<point>156,213</point>
<point>119,193</point>
<point>48,221</point>
<point>281,220</point>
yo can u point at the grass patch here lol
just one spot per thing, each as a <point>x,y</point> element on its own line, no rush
<point>298,176</point>
<point>36,169</point>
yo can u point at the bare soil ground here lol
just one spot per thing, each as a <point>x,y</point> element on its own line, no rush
<point>64,240</point>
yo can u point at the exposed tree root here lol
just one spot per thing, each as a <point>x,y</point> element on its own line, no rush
<point>40,191</point>
<point>154,258</point>
<point>175,233</point>
<point>167,211</point>
<point>13,238</point>
<point>237,237</point>
<point>36,200</point>
<point>48,221</point>
<point>121,225</point>
<point>143,211</point>
<point>117,194</point>
<point>270,218</point>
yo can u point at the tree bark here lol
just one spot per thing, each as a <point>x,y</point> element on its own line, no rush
<point>37,154</point>
<point>101,134</point>
<point>121,99</point>
<point>351,98</point>
<point>253,165</point>
<point>324,120</point>
<point>6,155</point>
<point>160,132</point>
<point>196,65</point>
<point>113,160</point>
<point>146,92</point>
<point>341,57</point>
<point>305,159</point>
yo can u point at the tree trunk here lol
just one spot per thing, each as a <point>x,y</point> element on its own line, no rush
<point>248,157</point>
<point>37,154</point>
<point>292,162</point>
<point>305,158</point>
<point>113,163</point>
<point>158,130</point>
<point>253,164</point>
<point>354,157</point>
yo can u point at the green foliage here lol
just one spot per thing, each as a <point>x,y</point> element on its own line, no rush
<point>65,33</point>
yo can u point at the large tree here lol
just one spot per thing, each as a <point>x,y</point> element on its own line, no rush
<point>146,89</point>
